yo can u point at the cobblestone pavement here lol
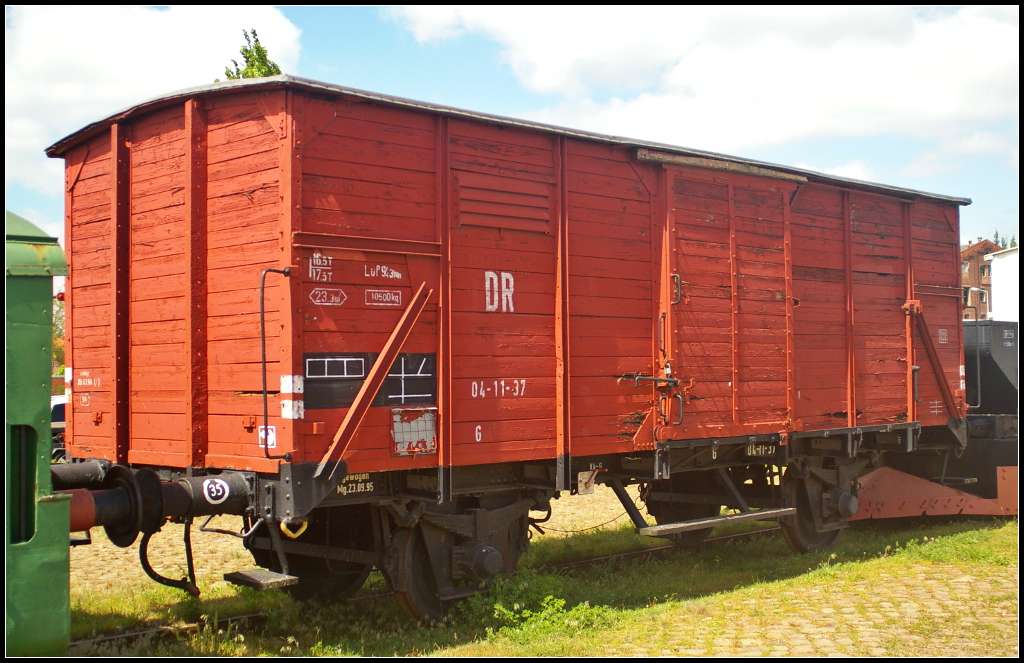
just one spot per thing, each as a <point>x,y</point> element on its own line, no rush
<point>103,567</point>
<point>938,610</point>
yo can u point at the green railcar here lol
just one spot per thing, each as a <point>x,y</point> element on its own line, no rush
<point>37,521</point>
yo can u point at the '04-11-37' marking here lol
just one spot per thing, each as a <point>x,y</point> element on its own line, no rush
<point>498,388</point>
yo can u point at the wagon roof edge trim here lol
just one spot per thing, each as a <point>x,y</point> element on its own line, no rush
<point>284,80</point>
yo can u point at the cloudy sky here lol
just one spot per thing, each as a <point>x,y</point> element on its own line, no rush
<point>921,98</point>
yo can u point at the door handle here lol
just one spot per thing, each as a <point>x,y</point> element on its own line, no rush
<point>661,408</point>
<point>677,289</point>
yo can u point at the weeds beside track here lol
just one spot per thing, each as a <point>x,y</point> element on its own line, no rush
<point>255,618</point>
<point>739,595</point>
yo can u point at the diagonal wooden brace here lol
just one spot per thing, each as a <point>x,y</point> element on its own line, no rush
<point>933,357</point>
<point>374,379</point>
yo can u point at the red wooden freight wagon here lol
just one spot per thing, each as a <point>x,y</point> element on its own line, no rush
<point>463,314</point>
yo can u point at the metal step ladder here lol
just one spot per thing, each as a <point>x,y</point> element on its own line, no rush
<point>260,579</point>
<point>265,578</point>
<point>643,529</point>
<point>705,523</point>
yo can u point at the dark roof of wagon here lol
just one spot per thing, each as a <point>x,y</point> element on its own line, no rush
<point>60,147</point>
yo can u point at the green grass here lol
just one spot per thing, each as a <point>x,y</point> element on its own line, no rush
<point>135,604</point>
<point>135,607</point>
<point>700,587</point>
<point>606,607</point>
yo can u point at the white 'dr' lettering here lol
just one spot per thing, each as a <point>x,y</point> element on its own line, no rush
<point>507,288</point>
<point>493,297</point>
<point>490,291</point>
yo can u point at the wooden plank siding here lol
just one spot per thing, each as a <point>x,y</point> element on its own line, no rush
<point>730,329</point>
<point>88,226</point>
<point>936,246</point>
<point>159,427</point>
<point>611,298</point>
<point>552,258</point>
<point>366,172</point>
<point>243,153</point>
<point>503,280</point>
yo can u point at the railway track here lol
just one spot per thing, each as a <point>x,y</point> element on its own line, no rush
<point>260,617</point>
<point>648,552</point>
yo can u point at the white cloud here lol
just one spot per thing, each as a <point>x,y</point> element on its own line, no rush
<point>568,50</point>
<point>943,158</point>
<point>735,80</point>
<point>68,66</point>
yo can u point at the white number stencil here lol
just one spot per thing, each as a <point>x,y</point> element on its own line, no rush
<point>498,388</point>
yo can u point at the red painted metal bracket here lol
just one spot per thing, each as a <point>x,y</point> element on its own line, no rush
<point>889,493</point>
<point>375,378</point>
<point>645,437</point>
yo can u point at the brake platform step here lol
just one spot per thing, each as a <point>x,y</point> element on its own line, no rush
<point>260,579</point>
<point>714,521</point>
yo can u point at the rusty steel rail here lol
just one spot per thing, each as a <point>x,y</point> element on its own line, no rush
<point>653,552</point>
<point>158,631</point>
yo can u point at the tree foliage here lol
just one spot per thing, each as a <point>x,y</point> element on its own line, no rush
<point>257,62</point>
<point>58,334</point>
<point>1002,243</point>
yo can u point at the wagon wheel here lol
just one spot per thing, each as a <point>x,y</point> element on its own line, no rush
<point>419,599</point>
<point>799,530</point>
<point>674,512</point>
